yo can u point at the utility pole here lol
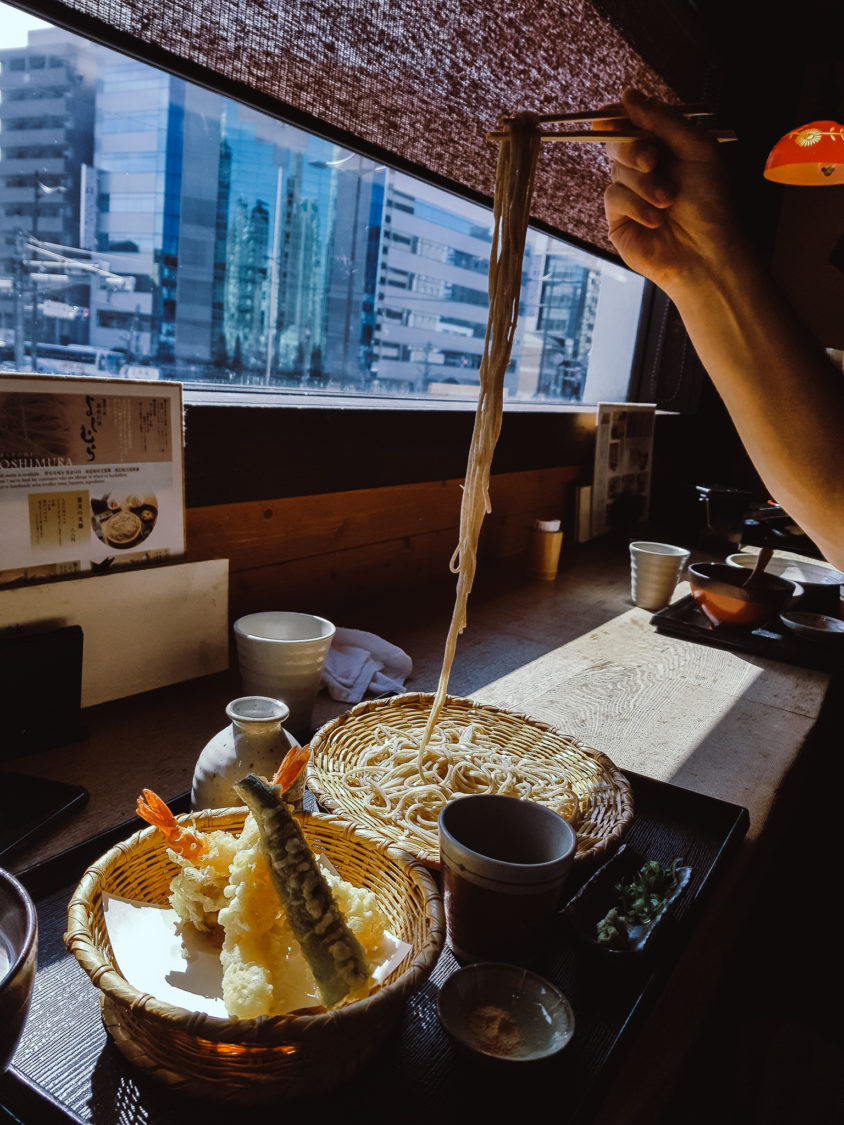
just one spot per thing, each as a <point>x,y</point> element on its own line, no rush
<point>33,343</point>
<point>20,287</point>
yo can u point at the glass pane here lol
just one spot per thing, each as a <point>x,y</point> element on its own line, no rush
<point>166,231</point>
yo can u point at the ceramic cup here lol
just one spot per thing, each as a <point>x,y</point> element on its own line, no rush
<point>18,951</point>
<point>655,570</point>
<point>281,654</point>
<point>504,864</point>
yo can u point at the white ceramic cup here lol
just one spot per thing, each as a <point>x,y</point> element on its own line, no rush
<point>655,570</point>
<point>281,654</point>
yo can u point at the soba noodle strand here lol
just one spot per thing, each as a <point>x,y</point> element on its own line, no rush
<point>517,157</point>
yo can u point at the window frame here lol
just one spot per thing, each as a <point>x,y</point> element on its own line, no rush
<point>203,394</point>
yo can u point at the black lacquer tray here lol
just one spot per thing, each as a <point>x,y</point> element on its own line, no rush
<point>773,640</point>
<point>67,1069</point>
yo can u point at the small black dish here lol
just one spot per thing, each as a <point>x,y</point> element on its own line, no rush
<point>599,895</point>
<point>815,626</point>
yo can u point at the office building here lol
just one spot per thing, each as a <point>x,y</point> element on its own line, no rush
<point>46,143</point>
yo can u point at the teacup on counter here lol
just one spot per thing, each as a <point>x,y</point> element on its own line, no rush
<point>655,570</point>
<point>504,862</point>
<point>281,655</point>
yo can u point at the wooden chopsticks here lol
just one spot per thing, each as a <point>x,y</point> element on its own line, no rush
<point>607,113</point>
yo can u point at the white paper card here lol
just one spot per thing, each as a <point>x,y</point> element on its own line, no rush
<point>180,966</point>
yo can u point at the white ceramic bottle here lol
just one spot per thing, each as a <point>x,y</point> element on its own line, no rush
<point>254,742</point>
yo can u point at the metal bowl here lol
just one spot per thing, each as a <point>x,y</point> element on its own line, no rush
<point>18,947</point>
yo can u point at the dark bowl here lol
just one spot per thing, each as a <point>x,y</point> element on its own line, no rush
<point>720,593</point>
<point>18,947</point>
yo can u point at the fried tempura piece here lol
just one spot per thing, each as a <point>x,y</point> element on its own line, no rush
<point>264,970</point>
<point>196,893</point>
<point>332,950</point>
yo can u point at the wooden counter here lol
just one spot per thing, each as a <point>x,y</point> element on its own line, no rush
<point>573,652</point>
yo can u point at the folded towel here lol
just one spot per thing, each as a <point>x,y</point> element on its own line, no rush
<point>358,662</point>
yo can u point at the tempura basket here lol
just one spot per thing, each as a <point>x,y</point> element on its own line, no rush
<point>252,1062</point>
<point>604,793</point>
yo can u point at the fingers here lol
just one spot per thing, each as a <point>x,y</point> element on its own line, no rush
<point>651,186</point>
<point>642,155</point>
<point>668,125</point>
<point>623,204</point>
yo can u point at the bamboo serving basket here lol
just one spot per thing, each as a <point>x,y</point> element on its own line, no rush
<point>604,794</point>
<point>252,1062</point>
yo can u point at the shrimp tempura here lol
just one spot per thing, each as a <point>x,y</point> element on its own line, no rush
<point>196,893</point>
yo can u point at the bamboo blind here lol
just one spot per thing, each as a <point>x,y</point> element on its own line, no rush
<point>421,79</point>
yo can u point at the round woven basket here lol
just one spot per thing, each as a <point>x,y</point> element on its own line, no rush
<point>603,792</point>
<point>251,1062</point>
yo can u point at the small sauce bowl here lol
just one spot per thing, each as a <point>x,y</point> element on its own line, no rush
<point>505,1012</point>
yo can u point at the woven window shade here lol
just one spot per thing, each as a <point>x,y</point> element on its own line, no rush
<point>421,79</point>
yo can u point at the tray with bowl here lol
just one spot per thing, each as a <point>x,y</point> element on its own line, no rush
<point>67,1068</point>
<point>773,639</point>
<point>594,795</point>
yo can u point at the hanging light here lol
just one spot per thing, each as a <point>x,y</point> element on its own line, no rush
<point>812,154</point>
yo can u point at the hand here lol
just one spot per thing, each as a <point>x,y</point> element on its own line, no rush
<point>667,207</point>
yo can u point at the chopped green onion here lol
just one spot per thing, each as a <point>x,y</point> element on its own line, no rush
<point>640,899</point>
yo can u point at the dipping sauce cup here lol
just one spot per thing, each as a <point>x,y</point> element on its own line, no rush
<point>504,864</point>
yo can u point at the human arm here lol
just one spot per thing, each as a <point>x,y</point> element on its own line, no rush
<point>670,219</point>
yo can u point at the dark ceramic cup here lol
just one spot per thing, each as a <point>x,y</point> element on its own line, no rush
<point>18,947</point>
<point>504,864</point>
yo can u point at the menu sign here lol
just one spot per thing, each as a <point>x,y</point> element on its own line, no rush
<point>621,486</point>
<point>91,475</point>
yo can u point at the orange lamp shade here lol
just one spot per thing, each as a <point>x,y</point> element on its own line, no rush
<point>813,154</point>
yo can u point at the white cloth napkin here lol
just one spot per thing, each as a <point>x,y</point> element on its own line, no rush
<point>358,662</point>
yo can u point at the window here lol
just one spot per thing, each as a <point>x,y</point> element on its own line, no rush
<point>238,252</point>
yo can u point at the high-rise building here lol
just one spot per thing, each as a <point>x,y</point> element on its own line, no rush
<point>432,290</point>
<point>356,245</point>
<point>157,152</point>
<point>46,142</point>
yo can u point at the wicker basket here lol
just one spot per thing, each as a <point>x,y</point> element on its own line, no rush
<point>603,792</point>
<point>250,1062</point>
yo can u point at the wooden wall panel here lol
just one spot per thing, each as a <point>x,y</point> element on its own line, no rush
<point>323,553</point>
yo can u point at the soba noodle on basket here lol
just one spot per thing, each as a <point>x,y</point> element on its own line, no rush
<point>394,777</point>
<point>407,776</point>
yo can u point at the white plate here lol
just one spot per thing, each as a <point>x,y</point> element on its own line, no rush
<point>812,572</point>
